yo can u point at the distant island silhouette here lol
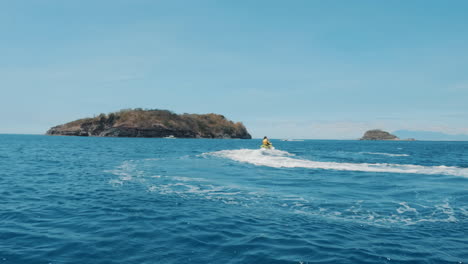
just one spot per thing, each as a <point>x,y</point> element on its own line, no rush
<point>153,123</point>
<point>430,135</point>
<point>377,134</point>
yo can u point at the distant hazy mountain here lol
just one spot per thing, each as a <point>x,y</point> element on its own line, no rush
<point>429,135</point>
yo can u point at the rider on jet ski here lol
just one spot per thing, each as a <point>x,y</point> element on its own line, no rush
<point>266,143</point>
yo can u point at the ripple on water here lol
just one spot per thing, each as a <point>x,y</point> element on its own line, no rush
<point>94,200</point>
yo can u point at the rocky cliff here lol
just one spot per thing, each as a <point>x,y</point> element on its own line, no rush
<point>377,134</point>
<point>153,123</point>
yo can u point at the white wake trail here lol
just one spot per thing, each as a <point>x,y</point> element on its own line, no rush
<point>283,159</point>
<point>386,154</point>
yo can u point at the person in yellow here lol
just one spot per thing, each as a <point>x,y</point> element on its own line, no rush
<point>266,143</point>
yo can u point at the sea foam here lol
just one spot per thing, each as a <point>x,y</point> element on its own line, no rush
<point>386,154</point>
<point>283,159</point>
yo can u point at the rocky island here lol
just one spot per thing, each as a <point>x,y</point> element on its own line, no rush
<point>153,123</point>
<point>377,134</point>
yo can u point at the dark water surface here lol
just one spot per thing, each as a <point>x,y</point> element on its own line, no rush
<point>122,200</point>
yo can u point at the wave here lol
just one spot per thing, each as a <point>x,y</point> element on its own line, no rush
<point>283,159</point>
<point>206,189</point>
<point>386,154</point>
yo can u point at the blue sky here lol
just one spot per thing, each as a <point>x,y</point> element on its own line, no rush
<point>286,69</point>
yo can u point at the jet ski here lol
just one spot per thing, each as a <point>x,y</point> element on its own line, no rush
<point>268,146</point>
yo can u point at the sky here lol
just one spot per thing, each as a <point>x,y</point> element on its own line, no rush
<point>286,69</point>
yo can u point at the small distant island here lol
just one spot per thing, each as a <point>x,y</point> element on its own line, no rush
<point>153,123</point>
<point>377,134</point>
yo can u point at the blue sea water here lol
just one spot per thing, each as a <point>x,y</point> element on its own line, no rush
<point>141,200</point>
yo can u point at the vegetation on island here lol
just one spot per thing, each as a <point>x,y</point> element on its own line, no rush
<point>377,134</point>
<point>153,123</point>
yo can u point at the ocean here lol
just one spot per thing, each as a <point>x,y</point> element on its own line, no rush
<point>152,200</point>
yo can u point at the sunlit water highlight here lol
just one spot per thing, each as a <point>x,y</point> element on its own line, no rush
<point>120,200</point>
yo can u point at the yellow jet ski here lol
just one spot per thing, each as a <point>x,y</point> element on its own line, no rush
<point>267,146</point>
